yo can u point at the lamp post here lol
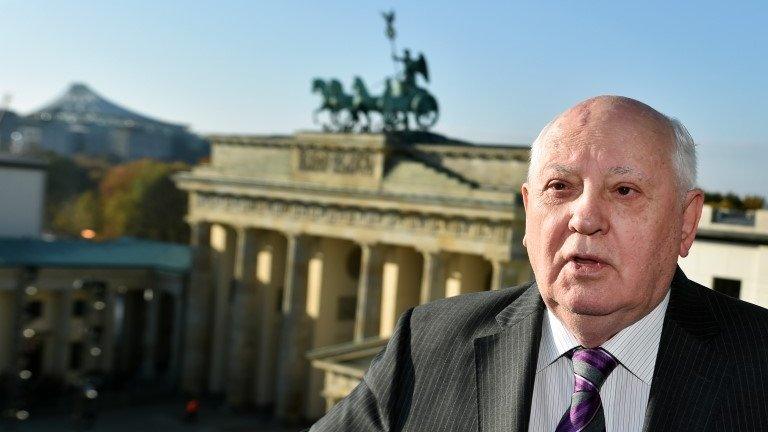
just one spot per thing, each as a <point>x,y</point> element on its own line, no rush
<point>92,378</point>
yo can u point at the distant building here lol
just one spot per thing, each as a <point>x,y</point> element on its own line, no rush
<point>730,254</point>
<point>82,122</point>
<point>54,321</point>
<point>22,188</point>
<point>9,126</point>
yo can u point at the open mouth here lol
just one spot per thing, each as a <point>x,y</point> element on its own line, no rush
<point>587,262</point>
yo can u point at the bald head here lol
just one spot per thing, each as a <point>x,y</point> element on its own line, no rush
<point>662,133</point>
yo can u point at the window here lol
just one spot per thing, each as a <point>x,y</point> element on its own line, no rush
<point>729,287</point>
<point>279,300</point>
<point>34,309</point>
<point>346,307</point>
<point>76,355</point>
<point>78,308</point>
<point>353,263</point>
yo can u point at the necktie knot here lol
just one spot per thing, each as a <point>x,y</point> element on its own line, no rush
<point>593,365</point>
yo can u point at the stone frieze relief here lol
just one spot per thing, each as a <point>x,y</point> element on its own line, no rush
<point>497,232</point>
<point>339,162</point>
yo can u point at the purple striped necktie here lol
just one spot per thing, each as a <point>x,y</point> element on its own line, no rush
<point>591,366</point>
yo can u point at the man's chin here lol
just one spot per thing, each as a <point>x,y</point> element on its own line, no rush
<point>591,306</point>
<point>590,310</point>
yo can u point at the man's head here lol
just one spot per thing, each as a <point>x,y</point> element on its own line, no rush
<point>610,204</point>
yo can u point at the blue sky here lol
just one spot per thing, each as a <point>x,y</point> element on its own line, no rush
<point>500,70</point>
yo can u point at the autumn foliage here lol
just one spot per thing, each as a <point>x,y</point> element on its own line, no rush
<point>136,199</point>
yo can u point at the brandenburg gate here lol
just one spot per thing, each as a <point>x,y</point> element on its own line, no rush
<point>308,248</point>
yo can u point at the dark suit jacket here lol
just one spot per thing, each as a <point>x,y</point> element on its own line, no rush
<point>467,363</point>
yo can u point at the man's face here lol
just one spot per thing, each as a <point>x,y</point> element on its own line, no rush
<point>604,218</point>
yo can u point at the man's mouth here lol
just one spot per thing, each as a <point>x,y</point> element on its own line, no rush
<point>587,262</point>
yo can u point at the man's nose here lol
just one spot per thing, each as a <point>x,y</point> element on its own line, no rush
<point>589,214</point>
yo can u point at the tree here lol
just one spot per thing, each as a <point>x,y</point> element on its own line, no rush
<point>713,198</point>
<point>754,202</point>
<point>65,180</point>
<point>139,199</point>
<point>731,201</point>
<point>78,213</point>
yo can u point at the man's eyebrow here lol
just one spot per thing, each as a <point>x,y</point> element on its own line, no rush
<point>624,170</point>
<point>562,169</point>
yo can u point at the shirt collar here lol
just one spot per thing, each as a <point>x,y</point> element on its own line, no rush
<point>635,346</point>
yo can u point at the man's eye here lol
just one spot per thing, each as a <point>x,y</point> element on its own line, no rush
<point>558,186</point>
<point>624,190</point>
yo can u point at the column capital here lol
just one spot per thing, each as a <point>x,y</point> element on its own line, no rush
<point>366,243</point>
<point>432,277</point>
<point>494,260</point>
<point>197,221</point>
<point>292,233</point>
<point>430,251</point>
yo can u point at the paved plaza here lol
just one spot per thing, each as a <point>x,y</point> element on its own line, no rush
<point>160,417</point>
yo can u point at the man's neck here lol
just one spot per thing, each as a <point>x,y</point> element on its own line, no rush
<point>592,331</point>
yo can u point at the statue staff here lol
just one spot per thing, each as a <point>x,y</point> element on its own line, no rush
<point>389,18</point>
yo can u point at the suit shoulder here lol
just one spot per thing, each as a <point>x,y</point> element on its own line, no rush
<point>734,314</point>
<point>466,312</point>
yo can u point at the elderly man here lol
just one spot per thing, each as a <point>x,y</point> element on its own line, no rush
<point>611,335</point>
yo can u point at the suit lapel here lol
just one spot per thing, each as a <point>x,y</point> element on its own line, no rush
<point>688,371</point>
<point>505,364</point>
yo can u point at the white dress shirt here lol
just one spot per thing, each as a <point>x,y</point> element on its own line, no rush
<point>624,393</point>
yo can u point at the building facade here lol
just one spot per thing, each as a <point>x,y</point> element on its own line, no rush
<point>730,254</point>
<point>22,192</point>
<point>320,241</point>
<point>79,313</point>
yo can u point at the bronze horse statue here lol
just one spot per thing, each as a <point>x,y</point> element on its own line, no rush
<point>364,103</point>
<point>338,104</point>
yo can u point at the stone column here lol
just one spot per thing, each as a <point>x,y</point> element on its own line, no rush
<point>368,313</point>
<point>223,246</point>
<point>432,277</point>
<point>270,274</point>
<point>176,343</point>
<point>108,338</point>
<point>198,311</point>
<point>62,316</point>
<point>296,330</point>
<point>151,327</point>
<point>505,274</point>
<point>497,275</point>
<point>242,356</point>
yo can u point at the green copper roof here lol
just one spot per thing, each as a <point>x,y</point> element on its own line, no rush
<point>120,253</point>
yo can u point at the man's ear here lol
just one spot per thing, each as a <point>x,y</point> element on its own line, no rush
<point>694,201</point>
<point>524,193</point>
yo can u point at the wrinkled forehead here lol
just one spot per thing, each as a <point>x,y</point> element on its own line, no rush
<point>614,115</point>
<point>608,125</point>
